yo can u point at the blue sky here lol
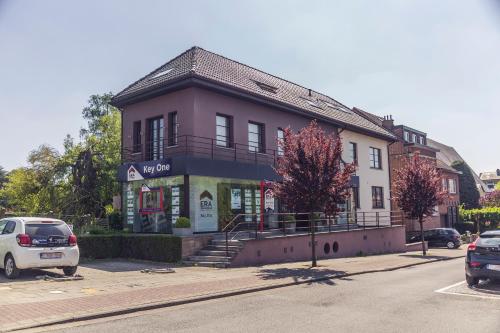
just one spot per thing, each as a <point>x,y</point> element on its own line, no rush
<point>433,65</point>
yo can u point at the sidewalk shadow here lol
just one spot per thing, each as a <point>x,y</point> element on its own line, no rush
<point>302,275</point>
<point>427,257</point>
<point>121,265</point>
<point>29,275</point>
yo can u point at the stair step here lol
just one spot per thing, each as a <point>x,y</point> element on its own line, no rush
<point>222,248</point>
<point>207,264</point>
<point>222,252</point>
<point>201,258</point>
<point>223,242</point>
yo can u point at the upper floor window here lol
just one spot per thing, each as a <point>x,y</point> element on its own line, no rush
<point>256,137</point>
<point>414,138</point>
<point>136,137</point>
<point>173,129</point>
<point>444,184</point>
<point>406,136</point>
<point>223,131</point>
<point>353,152</point>
<point>377,197</point>
<point>452,186</point>
<point>281,136</point>
<point>375,158</point>
<point>422,140</point>
<point>156,136</point>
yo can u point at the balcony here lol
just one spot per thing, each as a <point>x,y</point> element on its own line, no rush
<point>199,147</point>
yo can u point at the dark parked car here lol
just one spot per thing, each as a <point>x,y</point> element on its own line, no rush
<point>483,258</point>
<point>439,237</point>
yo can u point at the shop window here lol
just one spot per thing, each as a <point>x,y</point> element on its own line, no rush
<point>151,200</point>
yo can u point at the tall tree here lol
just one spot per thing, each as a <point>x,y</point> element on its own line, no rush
<point>418,190</point>
<point>3,176</point>
<point>314,177</point>
<point>469,195</point>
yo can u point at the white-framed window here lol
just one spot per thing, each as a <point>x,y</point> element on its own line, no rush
<point>375,158</point>
<point>414,138</point>
<point>256,137</point>
<point>452,186</point>
<point>353,152</point>
<point>223,131</point>
<point>444,184</point>
<point>406,136</point>
<point>422,141</point>
<point>280,134</point>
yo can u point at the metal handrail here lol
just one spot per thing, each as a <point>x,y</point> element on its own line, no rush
<point>354,221</point>
<point>198,146</point>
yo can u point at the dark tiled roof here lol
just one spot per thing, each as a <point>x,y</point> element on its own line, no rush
<point>448,155</point>
<point>199,63</point>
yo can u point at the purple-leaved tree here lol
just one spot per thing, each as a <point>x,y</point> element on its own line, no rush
<point>314,178</point>
<point>418,190</point>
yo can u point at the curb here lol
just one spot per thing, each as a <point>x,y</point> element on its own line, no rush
<point>207,297</point>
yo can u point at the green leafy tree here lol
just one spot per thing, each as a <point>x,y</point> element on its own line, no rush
<point>469,195</point>
<point>3,176</point>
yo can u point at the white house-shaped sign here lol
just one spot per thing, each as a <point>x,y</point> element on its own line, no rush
<point>133,174</point>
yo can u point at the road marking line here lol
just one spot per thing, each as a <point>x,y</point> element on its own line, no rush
<point>444,291</point>
<point>449,287</point>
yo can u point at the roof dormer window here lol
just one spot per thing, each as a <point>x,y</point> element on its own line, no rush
<point>162,73</point>
<point>266,87</point>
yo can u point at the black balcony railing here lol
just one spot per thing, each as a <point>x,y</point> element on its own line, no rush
<point>195,146</point>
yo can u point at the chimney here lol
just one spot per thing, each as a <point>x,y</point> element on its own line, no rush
<point>388,122</point>
<point>310,94</point>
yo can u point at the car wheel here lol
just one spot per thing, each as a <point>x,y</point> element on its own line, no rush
<point>11,270</point>
<point>471,281</point>
<point>450,245</point>
<point>70,271</point>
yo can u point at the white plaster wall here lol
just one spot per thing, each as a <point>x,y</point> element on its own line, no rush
<point>369,177</point>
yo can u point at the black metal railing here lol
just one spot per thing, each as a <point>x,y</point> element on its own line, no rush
<point>257,226</point>
<point>195,146</point>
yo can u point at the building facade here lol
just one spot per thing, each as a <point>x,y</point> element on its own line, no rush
<point>410,141</point>
<point>199,139</point>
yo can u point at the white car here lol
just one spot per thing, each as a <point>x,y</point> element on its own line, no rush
<point>37,242</point>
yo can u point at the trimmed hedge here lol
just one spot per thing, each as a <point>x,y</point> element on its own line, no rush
<point>165,248</point>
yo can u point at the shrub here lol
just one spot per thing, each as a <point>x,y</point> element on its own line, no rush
<point>100,246</point>
<point>183,222</point>
<point>165,248</point>
<point>115,220</point>
<point>463,227</point>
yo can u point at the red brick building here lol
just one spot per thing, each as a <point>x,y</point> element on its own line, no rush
<point>409,141</point>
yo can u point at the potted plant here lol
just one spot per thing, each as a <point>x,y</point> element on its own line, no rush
<point>290,223</point>
<point>182,227</point>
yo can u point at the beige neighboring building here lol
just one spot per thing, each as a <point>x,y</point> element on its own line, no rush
<point>490,179</point>
<point>372,194</point>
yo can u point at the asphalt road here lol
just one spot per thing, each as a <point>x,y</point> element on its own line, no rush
<point>400,301</point>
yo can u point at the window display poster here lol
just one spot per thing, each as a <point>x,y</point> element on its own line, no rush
<point>248,205</point>
<point>175,204</point>
<point>235,198</point>
<point>204,196</point>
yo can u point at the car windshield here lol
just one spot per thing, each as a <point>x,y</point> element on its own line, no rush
<point>490,235</point>
<point>452,232</point>
<point>45,230</point>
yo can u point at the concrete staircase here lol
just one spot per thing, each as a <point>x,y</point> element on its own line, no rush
<point>214,254</point>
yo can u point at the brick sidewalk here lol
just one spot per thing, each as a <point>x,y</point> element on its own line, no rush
<point>38,305</point>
